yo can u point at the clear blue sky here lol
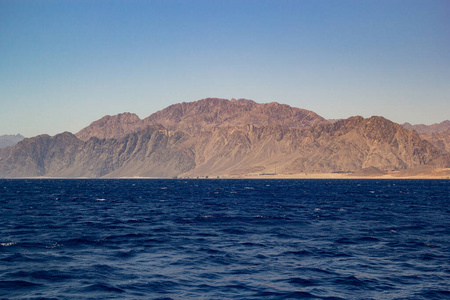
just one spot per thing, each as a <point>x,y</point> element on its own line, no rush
<point>65,64</point>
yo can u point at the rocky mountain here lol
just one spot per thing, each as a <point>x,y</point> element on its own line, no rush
<point>108,127</point>
<point>346,146</point>
<point>150,152</point>
<point>428,129</point>
<point>440,140</point>
<point>216,137</point>
<point>205,114</point>
<point>438,134</point>
<point>8,140</point>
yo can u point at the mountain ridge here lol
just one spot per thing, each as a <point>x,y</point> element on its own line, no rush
<point>8,140</point>
<point>204,114</point>
<point>191,140</point>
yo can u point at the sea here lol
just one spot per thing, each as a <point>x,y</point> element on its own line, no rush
<point>224,239</point>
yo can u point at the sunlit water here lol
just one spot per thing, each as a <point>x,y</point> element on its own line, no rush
<point>221,239</point>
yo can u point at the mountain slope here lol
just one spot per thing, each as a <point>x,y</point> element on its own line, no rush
<point>193,117</point>
<point>7,140</point>
<point>109,127</point>
<point>150,152</point>
<point>428,129</point>
<point>438,134</point>
<point>346,146</point>
<point>211,138</point>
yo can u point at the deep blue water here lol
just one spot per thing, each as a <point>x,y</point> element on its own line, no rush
<point>222,239</point>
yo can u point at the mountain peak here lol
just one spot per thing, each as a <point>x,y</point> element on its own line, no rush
<point>116,126</point>
<point>207,113</point>
<point>204,114</point>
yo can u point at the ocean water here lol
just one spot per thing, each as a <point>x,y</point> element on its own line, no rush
<point>224,239</point>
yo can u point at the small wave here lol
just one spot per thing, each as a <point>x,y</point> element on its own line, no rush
<point>50,275</point>
<point>435,294</point>
<point>368,239</point>
<point>350,280</point>
<point>16,257</point>
<point>286,295</point>
<point>299,253</point>
<point>344,241</point>
<point>15,284</point>
<point>101,287</point>
<point>301,281</point>
<point>234,231</point>
<point>272,217</point>
<point>8,244</point>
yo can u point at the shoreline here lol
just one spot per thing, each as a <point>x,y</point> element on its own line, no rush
<point>278,176</point>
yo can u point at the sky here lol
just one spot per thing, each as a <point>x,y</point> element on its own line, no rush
<point>65,64</point>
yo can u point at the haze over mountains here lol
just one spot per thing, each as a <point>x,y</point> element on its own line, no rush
<point>218,137</point>
<point>7,140</point>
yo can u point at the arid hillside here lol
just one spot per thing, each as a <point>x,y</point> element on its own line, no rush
<point>217,137</point>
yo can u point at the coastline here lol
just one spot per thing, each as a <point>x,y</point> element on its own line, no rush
<point>440,173</point>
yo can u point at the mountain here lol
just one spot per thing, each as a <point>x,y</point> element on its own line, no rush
<point>346,146</point>
<point>108,127</point>
<point>440,140</point>
<point>217,137</point>
<point>205,114</point>
<point>428,129</point>
<point>150,152</point>
<point>7,140</point>
<point>438,134</point>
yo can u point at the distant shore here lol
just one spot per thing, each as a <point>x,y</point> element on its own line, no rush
<point>441,173</point>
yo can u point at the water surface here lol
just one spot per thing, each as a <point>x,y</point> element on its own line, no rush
<point>222,239</point>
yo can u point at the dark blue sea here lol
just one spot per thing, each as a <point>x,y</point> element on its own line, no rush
<point>224,239</point>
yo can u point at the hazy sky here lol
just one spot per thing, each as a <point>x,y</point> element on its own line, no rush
<point>65,64</point>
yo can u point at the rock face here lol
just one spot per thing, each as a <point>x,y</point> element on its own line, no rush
<point>346,146</point>
<point>193,117</point>
<point>438,134</point>
<point>8,140</point>
<point>112,127</point>
<point>440,140</point>
<point>216,137</point>
<point>203,115</point>
<point>428,129</point>
<point>150,152</point>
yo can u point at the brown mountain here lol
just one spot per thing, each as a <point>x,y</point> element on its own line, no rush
<point>428,129</point>
<point>346,146</point>
<point>438,134</point>
<point>109,127</point>
<point>150,152</point>
<point>203,115</point>
<point>440,140</point>
<point>193,117</point>
<point>216,137</point>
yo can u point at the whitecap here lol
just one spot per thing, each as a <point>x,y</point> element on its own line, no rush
<point>8,244</point>
<point>100,199</point>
